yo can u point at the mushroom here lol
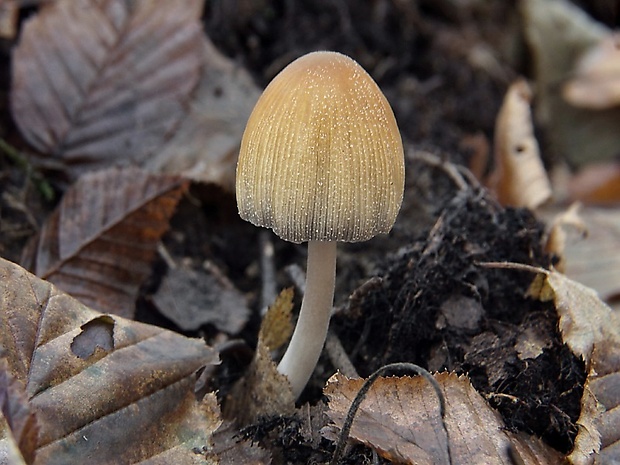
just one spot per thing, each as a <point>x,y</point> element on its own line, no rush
<point>321,160</point>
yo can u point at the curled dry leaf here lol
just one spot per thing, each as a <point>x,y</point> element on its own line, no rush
<point>97,83</point>
<point>519,178</point>
<point>99,243</point>
<point>592,330</point>
<point>206,144</point>
<point>263,390</point>
<point>129,402</point>
<point>400,418</point>
<point>596,81</point>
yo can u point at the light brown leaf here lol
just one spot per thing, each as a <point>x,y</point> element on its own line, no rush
<point>400,418</point>
<point>99,243</point>
<point>519,178</point>
<point>132,402</point>
<point>103,82</point>
<point>206,145</point>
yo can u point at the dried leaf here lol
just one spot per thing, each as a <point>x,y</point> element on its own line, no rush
<point>21,427</point>
<point>593,256</point>
<point>9,14</point>
<point>133,402</point>
<point>231,449</point>
<point>206,145</point>
<point>99,243</point>
<point>277,326</point>
<point>519,178</point>
<point>192,298</point>
<point>558,32</point>
<point>263,390</point>
<point>9,450</point>
<point>400,419</point>
<point>558,232</point>
<point>597,184</point>
<point>97,83</point>
<point>592,330</point>
<point>596,84</point>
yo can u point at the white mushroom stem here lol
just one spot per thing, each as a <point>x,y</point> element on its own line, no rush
<point>308,338</point>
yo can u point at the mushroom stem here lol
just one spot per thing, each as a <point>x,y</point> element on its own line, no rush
<point>308,338</point>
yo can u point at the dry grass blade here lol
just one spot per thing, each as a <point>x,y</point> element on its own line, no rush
<point>99,243</point>
<point>127,400</point>
<point>107,81</point>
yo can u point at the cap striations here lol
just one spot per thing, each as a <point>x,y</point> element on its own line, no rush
<point>321,157</point>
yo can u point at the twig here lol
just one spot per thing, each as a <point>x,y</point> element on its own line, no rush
<point>338,356</point>
<point>361,394</point>
<point>268,271</point>
<point>460,175</point>
<point>298,276</point>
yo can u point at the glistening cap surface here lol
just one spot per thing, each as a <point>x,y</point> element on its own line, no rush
<point>321,157</point>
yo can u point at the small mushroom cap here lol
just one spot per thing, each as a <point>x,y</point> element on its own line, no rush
<point>321,157</point>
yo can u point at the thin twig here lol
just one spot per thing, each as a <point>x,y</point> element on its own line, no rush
<point>338,356</point>
<point>268,271</point>
<point>361,394</point>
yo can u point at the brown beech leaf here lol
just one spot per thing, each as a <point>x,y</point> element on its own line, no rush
<point>128,402</point>
<point>400,418</point>
<point>103,82</point>
<point>206,145</point>
<point>99,243</point>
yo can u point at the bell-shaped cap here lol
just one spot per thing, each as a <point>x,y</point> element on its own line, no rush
<point>321,157</point>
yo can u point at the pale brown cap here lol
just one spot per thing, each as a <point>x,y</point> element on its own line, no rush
<point>321,157</point>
